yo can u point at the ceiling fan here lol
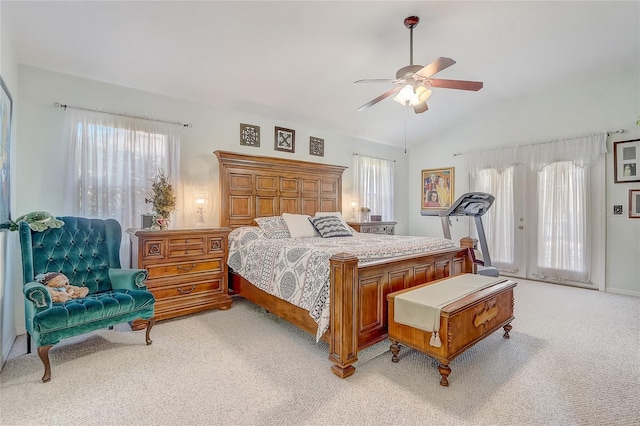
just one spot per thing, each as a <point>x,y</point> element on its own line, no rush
<point>414,81</point>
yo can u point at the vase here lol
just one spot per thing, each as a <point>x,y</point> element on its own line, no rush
<point>364,216</point>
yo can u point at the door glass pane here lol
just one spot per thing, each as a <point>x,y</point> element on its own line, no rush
<point>562,249</point>
<point>498,221</point>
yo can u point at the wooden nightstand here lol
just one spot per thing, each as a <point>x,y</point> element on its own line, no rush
<point>187,268</point>
<point>388,228</point>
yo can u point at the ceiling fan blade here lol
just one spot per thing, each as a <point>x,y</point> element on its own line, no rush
<point>435,67</point>
<point>454,84</point>
<point>376,80</point>
<point>381,97</point>
<point>420,108</point>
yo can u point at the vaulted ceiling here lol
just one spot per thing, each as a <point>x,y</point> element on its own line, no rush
<point>297,61</point>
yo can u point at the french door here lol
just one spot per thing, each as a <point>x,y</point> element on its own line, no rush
<point>542,223</point>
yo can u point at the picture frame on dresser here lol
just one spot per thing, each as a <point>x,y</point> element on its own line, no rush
<point>626,161</point>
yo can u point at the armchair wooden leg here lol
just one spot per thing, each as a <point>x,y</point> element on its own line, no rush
<point>28,343</point>
<point>150,324</point>
<point>43,353</point>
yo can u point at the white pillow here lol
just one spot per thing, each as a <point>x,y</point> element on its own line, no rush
<point>337,214</point>
<point>299,225</point>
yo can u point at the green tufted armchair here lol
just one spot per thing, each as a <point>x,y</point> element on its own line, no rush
<point>87,251</point>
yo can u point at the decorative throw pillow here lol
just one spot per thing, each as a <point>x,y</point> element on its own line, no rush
<point>299,225</point>
<point>336,214</point>
<point>273,226</point>
<point>330,226</point>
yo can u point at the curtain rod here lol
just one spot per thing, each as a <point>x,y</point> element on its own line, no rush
<point>541,143</point>
<point>371,156</point>
<point>177,123</point>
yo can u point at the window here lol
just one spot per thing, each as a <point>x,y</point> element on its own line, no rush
<point>373,185</point>
<point>112,162</point>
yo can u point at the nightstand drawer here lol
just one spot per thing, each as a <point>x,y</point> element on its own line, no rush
<point>183,268</point>
<point>153,249</point>
<point>189,246</point>
<point>373,229</point>
<point>180,289</point>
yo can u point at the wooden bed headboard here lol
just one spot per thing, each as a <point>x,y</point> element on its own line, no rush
<point>255,186</point>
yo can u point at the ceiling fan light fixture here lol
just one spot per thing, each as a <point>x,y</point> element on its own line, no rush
<point>405,95</point>
<point>420,96</point>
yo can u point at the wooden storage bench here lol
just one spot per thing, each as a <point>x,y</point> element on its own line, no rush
<point>463,322</point>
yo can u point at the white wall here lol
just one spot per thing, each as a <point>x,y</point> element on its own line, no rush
<point>41,157</point>
<point>591,103</point>
<point>8,70</point>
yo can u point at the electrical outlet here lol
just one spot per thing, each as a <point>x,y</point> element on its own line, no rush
<point>617,209</point>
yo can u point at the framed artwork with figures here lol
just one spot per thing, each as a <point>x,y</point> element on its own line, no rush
<point>284,139</point>
<point>437,188</point>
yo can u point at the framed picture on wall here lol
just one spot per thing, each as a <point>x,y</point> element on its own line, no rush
<point>249,135</point>
<point>6,107</point>
<point>437,188</point>
<point>285,139</point>
<point>634,203</point>
<point>626,161</point>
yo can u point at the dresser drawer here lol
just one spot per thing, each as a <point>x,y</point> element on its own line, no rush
<point>181,289</point>
<point>185,268</point>
<point>187,246</point>
<point>375,229</point>
<point>153,249</point>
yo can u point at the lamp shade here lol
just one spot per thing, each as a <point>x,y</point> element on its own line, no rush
<point>404,96</point>
<point>421,95</point>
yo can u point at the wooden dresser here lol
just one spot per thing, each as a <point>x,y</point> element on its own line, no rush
<point>187,269</point>
<point>374,227</point>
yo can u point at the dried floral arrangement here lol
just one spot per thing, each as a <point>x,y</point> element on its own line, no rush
<point>162,195</point>
<point>365,209</point>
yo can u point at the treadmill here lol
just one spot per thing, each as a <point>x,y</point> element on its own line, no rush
<point>474,204</point>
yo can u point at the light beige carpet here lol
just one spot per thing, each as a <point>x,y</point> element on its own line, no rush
<point>573,359</point>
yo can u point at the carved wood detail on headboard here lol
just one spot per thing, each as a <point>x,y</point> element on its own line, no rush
<point>255,186</point>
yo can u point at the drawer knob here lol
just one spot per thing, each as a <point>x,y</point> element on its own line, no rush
<point>187,268</point>
<point>181,291</point>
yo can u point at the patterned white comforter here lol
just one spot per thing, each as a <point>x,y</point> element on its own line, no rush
<point>297,269</point>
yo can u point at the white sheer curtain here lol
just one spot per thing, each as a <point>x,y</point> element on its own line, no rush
<point>498,222</point>
<point>112,162</point>
<point>373,185</point>
<point>563,251</point>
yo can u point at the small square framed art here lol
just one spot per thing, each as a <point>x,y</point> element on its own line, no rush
<point>249,135</point>
<point>284,139</point>
<point>316,146</point>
